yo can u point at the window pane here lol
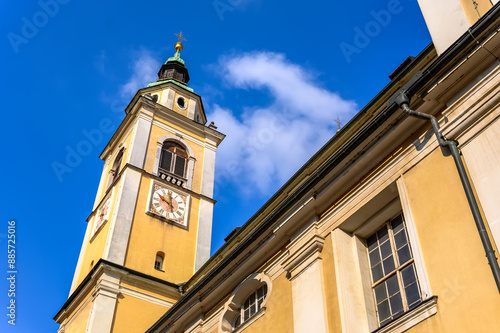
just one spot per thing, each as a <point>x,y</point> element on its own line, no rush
<point>400,239</point>
<point>404,254</point>
<point>377,273</point>
<point>246,314</point>
<point>412,295</point>
<point>179,166</point>
<point>382,235</point>
<point>372,242</point>
<point>396,304</point>
<point>383,311</point>
<point>388,265</point>
<point>392,285</point>
<point>253,309</point>
<point>380,293</point>
<point>408,275</point>
<point>386,249</point>
<point>166,160</point>
<point>397,224</point>
<point>374,257</point>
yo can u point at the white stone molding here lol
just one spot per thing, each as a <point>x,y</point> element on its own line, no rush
<point>425,285</point>
<point>425,310</point>
<point>191,158</point>
<point>356,303</point>
<point>352,269</point>
<point>168,98</point>
<point>204,234</point>
<point>208,173</point>
<point>103,304</point>
<point>145,297</point>
<point>233,304</point>
<point>123,214</point>
<point>191,109</point>
<point>446,21</point>
<point>304,256</point>
<point>140,140</point>
<point>305,268</point>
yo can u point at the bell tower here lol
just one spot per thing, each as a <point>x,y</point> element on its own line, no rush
<point>150,227</point>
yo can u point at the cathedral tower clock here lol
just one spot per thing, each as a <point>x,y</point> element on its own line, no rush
<point>150,227</point>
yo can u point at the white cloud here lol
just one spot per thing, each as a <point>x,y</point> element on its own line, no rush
<point>144,66</point>
<point>267,144</point>
<point>144,69</point>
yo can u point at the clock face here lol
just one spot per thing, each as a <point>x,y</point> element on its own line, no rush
<point>169,204</point>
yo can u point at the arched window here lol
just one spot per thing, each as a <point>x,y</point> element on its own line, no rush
<point>159,261</point>
<point>247,303</point>
<point>251,305</point>
<point>115,169</point>
<point>173,158</point>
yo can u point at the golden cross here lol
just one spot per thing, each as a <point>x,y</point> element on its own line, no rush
<point>181,37</point>
<point>339,124</point>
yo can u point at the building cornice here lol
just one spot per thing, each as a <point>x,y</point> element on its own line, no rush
<point>92,280</point>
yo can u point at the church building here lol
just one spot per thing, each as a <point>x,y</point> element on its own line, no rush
<point>392,226</point>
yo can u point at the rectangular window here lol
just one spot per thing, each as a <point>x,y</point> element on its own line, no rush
<point>394,279</point>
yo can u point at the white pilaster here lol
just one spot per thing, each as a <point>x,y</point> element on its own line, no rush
<point>446,21</point>
<point>103,306</point>
<point>305,268</point>
<point>349,275</point>
<point>204,236</point>
<point>208,176</point>
<point>140,141</point>
<point>123,214</point>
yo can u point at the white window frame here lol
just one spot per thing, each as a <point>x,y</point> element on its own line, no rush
<point>353,276</point>
<point>233,306</point>
<point>189,171</point>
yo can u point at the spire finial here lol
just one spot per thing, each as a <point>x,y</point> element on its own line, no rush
<point>178,45</point>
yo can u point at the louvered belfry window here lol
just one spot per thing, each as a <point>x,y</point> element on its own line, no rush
<point>173,158</point>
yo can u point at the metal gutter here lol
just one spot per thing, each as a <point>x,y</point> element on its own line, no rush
<point>403,101</point>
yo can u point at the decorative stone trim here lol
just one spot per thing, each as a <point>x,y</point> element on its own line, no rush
<point>235,301</point>
<point>191,158</point>
<point>411,318</point>
<point>251,320</point>
<point>304,256</point>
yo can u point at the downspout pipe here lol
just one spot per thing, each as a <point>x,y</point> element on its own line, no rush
<point>403,101</point>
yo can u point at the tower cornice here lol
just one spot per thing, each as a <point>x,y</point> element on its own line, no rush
<point>139,101</point>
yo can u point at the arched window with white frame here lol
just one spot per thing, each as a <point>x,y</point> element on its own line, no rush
<point>251,305</point>
<point>246,304</point>
<point>173,159</point>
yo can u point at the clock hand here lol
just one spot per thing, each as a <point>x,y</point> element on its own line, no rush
<point>168,202</point>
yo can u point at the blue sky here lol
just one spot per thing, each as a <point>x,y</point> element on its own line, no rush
<point>273,75</point>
